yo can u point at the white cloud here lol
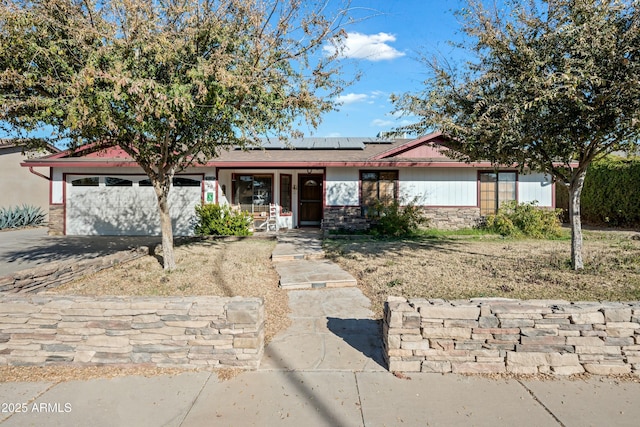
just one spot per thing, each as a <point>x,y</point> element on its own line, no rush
<point>350,98</point>
<point>372,47</point>
<point>380,123</point>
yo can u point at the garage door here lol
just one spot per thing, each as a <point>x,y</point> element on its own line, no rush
<point>127,206</point>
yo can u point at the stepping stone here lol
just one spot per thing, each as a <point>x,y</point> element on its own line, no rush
<point>292,251</point>
<point>312,274</point>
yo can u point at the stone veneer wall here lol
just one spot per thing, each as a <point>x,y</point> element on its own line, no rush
<point>522,337</point>
<point>56,220</point>
<point>348,218</point>
<point>452,218</point>
<point>54,274</point>
<point>182,332</point>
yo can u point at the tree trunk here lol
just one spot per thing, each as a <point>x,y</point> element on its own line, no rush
<point>162,192</point>
<point>575,191</point>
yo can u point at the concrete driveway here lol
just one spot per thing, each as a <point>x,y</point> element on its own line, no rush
<point>23,249</point>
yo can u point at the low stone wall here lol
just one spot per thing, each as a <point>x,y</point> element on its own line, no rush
<point>184,332</point>
<point>522,337</point>
<point>452,218</point>
<point>54,274</point>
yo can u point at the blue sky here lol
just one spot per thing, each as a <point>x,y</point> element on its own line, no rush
<point>385,49</point>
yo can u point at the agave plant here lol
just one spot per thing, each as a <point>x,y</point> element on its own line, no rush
<point>21,216</point>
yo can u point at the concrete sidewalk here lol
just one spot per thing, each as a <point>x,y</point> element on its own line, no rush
<point>321,398</point>
<point>326,369</point>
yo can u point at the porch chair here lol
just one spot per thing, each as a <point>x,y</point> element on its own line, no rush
<point>272,221</point>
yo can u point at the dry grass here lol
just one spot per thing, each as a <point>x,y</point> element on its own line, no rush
<point>58,374</point>
<point>205,267</point>
<point>460,268</point>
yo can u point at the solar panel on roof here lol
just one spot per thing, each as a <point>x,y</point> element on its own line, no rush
<point>316,143</point>
<point>302,144</point>
<point>352,143</point>
<point>325,144</point>
<point>272,144</point>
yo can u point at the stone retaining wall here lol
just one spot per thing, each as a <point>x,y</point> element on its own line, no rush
<point>522,337</point>
<point>54,274</point>
<point>182,332</point>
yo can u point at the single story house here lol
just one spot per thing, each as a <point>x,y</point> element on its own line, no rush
<point>311,182</point>
<point>22,186</point>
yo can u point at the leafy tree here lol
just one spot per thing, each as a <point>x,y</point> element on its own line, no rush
<point>552,85</point>
<point>172,82</point>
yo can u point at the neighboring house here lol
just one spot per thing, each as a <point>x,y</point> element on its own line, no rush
<point>19,185</point>
<point>321,182</point>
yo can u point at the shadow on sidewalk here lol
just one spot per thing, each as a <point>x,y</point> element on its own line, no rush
<point>308,392</point>
<point>364,335</point>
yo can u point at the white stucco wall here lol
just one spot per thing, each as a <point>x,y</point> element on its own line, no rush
<point>342,187</point>
<point>439,187</point>
<point>535,187</point>
<point>429,187</point>
<point>434,187</point>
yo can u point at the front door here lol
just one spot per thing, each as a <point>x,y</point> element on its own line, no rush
<point>310,200</point>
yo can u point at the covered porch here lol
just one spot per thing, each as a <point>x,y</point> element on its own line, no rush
<point>276,198</point>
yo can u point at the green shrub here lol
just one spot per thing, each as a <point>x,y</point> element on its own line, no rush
<point>391,219</point>
<point>21,216</point>
<point>220,220</point>
<point>611,193</point>
<point>525,219</point>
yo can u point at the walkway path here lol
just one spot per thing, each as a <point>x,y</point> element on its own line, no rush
<point>332,329</point>
<point>299,260</point>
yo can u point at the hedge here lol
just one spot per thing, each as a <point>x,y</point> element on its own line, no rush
<point>611,193</point>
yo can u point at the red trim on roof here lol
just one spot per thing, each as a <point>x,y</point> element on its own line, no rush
<point>408,146</point>
<point>364,163</point>
<point>80,163</point>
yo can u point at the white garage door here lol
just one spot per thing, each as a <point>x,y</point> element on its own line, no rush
<point>126,205</point>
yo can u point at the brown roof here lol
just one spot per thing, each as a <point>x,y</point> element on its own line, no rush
<point>306,152</point>
<point>287,155</point>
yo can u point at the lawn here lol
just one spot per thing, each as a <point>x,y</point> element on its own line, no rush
<point>205,267</point>
<point>454,266</point>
